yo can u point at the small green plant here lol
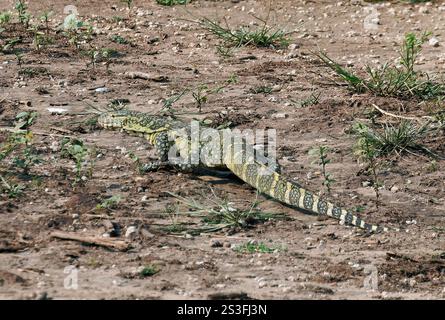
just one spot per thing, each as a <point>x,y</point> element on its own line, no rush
<point>432,166</point>
<point>93,55</point>
<point>312,100</point>
<point>261,89</point>
<point>321,155</point>
<point>172,2</point>
<point>117,19</point>
<point>75,150</point>
<point>28,157</point>
<point>18,147</point>
<point>389,80</point>
<point>106,56</point>
<point>167,107</point>
<point>202,92</point>
<point>24,16</point>
<point>119,39</point>
<point>149,271</point>
<point>367,151</point>
<point>200,95</point>
<point>19,57</point>
<point>129,3</point>
<point>5,18</point>
<point>9,47</point>
<point>77,31</point>
<point>262,37</point>
<point>45,19</point>
<point>12,190</point>
<point>224,51</point>
<point>136,160</point>
<point>100,55</point>
<point>254,247</point>
<point>41,39</point>
<point>110,203</point>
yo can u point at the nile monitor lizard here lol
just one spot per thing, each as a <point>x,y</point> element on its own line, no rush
<point>165,132</point>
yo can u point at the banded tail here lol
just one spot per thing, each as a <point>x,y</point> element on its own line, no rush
<point>279,188</point>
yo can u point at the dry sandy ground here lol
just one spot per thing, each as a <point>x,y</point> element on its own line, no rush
<point>315,258</point>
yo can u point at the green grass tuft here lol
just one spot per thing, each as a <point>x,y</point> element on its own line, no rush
<point>395,81</point>
<point>263,37</point>
<point>149,271</point>
<point>404,137</point>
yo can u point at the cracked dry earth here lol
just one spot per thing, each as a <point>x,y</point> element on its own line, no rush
<point>315,258</point>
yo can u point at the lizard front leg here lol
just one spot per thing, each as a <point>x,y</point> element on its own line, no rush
<point>162,144</point>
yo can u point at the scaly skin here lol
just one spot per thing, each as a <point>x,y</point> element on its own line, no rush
<point>162,132</point>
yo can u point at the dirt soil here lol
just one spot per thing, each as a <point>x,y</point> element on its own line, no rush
<point>314,258</point>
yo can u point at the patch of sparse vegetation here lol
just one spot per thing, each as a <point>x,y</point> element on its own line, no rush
<point>372,146</point>
<point>19,149</point>
<point>9,46</point>
<point>77,31</point>
<point>404,137</point>
<point>256,247</point>
<point>40,39</point>
<point>261,89</point>
<point>117,19</point>
<point>218,214</point>
<point>5,18</point>
<point>389,80</point>
<point>28,157</point>
<point>312,100</point>
<point>224,51</point>
<point>100,55</point>
<point>110,203</point>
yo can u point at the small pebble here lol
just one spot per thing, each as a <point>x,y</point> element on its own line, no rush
<point>131,232</point>
<point>216,244</point>
<point>434,42</point>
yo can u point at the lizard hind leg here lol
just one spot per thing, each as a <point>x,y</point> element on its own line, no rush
<point>162,145</point>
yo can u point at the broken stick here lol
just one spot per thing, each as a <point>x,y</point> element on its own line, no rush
<point>101,242</point>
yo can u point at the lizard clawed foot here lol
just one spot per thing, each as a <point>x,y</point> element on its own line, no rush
<point>154,166</point>
<point>158,165</point>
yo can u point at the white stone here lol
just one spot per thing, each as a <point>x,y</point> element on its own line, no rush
<point>56,110</point>
<point>279,116</point>
<point>131,232</point>
<point>434,42</point>
<point>424,10</point>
